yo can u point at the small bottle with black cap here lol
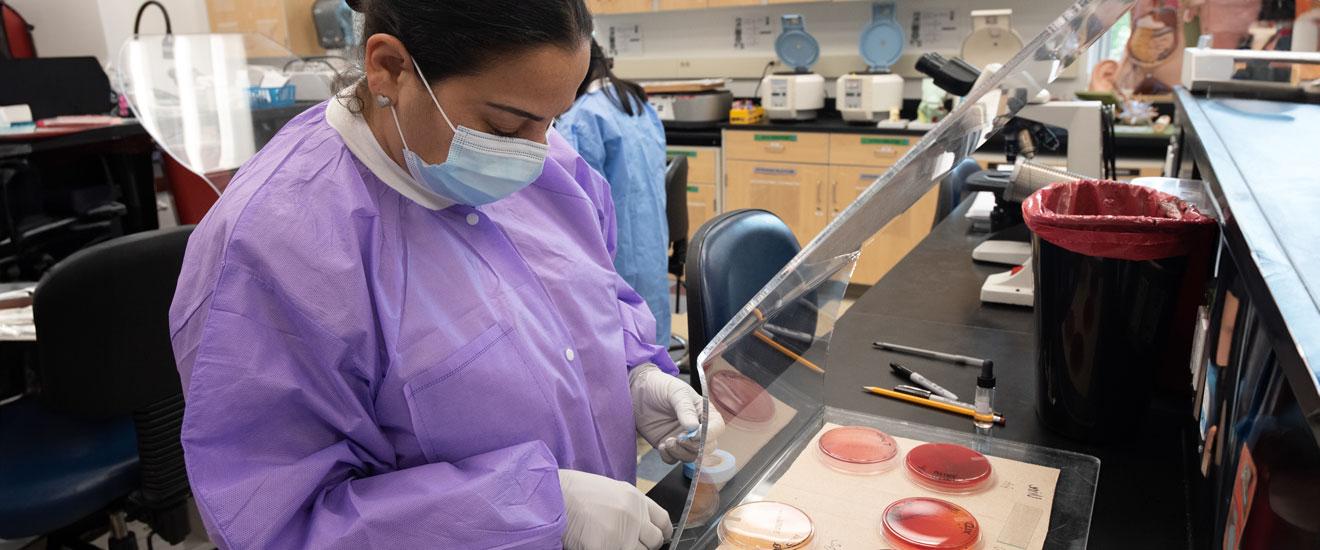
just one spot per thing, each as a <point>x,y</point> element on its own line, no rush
<point>985,396</point>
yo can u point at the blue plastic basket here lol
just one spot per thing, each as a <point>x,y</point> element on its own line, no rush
<point>270,98</point>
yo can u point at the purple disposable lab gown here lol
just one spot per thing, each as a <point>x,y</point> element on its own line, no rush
<point>362,372</point>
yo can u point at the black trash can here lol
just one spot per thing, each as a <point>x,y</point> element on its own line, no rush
<point>1119,271</point>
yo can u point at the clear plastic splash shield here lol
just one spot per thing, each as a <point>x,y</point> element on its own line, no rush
<point>193,93</point>
<point>765,370</point>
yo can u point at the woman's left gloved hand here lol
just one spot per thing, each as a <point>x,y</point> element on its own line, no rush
<point>665,408</point>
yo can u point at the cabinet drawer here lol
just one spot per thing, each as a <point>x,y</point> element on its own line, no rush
<point>797,193</point>
<point>868,150</point>
<point>702,162</point>
<point>777,146</point>
<point>701,206</point>
<point>726,3</point>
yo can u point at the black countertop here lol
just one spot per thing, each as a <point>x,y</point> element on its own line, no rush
<point>932,300</point>
<point>15,146</point>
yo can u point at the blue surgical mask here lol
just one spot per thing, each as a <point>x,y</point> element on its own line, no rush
<point>481,168</point>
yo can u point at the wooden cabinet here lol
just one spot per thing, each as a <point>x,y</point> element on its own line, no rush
<point>666,5</point>
<point>703,162</point>
<point>808,179</point>
<point>702,206</point>
<point>704,183</point>
<point>884,250</point>
<point>286,22</point>
<point>727,3</point>
<point>794,192</point>
<point>869,150</point>
<point>618,6</point>
<point>778,146</point>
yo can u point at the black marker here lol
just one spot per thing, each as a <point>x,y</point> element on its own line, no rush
<point>922,381</point>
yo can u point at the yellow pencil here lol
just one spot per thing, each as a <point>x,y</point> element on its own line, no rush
<point>999,419</point>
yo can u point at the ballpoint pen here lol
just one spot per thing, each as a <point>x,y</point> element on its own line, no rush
<point>949,357</point>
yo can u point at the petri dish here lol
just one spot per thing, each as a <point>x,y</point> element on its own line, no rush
<point>766,525</point>
<point>858,450</point>
<point>743,403</point>
<point>924,523</point>
<point>705,502</point>
<point>949,468</point>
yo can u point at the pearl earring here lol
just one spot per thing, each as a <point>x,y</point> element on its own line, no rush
<point>382,101</point>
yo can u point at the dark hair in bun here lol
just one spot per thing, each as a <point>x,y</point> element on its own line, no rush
<point>460,37</point>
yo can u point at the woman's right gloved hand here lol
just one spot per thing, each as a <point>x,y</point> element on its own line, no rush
<point>604,514</point>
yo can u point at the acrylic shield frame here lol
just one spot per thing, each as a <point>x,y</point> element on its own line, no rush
<point>780,338</point>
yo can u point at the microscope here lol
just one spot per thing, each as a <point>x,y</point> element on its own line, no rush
<point>1030,133</point>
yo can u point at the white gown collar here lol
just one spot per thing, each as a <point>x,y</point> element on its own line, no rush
<point>359,139</point>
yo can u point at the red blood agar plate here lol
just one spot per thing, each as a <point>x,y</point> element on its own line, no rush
<point>924,523</point>
<point>948,468</point>
<point>742,402</point>
<point>858,450</point>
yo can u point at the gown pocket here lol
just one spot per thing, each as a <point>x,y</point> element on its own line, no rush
<point>480,398</point>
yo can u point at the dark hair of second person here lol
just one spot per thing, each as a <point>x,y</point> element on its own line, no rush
<point>627,95</point>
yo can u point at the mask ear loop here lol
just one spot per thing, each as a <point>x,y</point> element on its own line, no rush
<point>426,85</point>
<point>399,127</point>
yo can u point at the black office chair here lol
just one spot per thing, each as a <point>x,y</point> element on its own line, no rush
<point>43,219</point>
<point>103,437</point>
<point>676,211</point>
<point>953,186</point>
<point>731,258</point>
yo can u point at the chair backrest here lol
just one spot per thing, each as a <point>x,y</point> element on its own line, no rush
<point>730,259</point>
<point>676,207</point>
<point>102,318</point>
<point>952,186</point>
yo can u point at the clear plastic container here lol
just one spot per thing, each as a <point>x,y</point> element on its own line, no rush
<point>766,525</point>
<point>949,468</point>
<point>924,523</point>
<point>858,450</point>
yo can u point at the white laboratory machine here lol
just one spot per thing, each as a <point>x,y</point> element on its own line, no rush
<point>798,94</point>
<point>876,94</point>
<point>993,40</point>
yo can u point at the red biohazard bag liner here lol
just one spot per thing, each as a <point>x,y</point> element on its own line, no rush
<point>1109,219</point>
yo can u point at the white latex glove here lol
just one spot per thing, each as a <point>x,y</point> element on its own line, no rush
<point>666,408</point>
<point>605,514</point>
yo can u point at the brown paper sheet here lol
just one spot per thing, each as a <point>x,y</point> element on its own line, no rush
<point>1014,514</point>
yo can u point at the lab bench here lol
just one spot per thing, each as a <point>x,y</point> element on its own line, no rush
<point>931,299</point>
<point>1257,409</point>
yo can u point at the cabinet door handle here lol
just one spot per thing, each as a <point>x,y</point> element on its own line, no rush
<point>834,195</point>
<point>819,203</point>
<point>775,147</point>
<point>885,151</point>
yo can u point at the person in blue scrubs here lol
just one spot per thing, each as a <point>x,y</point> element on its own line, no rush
<point>620,135</point>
